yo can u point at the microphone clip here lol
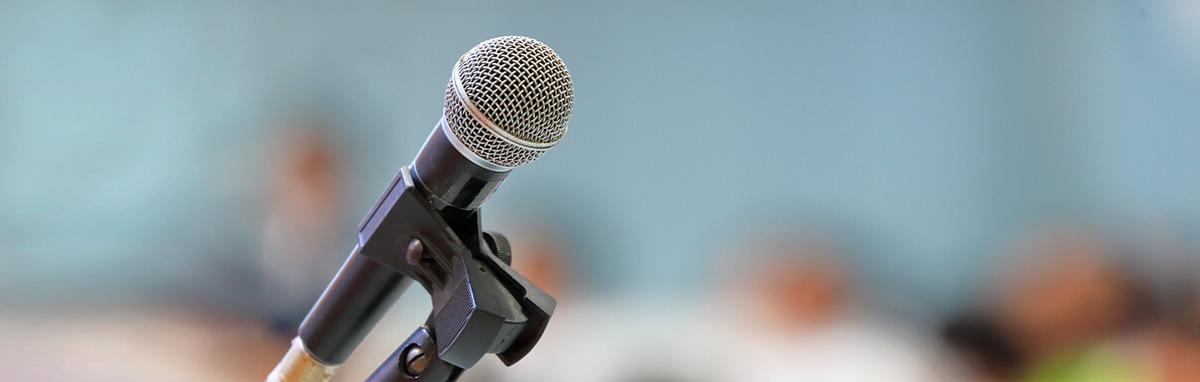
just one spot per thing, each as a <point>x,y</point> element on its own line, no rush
<point>480,304</point>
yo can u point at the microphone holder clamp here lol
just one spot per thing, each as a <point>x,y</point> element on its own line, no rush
<point>480,304</point>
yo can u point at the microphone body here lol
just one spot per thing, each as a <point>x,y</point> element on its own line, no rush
<point>364,289</point>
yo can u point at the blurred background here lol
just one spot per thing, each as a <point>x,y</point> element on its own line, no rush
<point>753,190</point>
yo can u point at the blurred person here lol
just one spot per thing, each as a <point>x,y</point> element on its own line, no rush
<point>182,340</point>
<point>796,313</point>
<point>301,243</point>
<point>1070,307</point>
<point>1064,313</point>
<point>1170,345</point>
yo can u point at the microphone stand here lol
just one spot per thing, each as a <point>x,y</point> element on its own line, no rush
<point>480,304</point>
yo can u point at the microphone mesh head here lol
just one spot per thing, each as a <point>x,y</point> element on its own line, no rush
<point>509,99</point>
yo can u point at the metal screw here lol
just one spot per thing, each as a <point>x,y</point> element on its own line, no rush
<point>415,360</point>
<point>415,251</point>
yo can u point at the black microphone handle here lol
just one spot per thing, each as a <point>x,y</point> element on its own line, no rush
<point>363,289</point>
<point>446,173</point>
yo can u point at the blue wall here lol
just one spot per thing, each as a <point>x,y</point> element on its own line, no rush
<point>132,134</point>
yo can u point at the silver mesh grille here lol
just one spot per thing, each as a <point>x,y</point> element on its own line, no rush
<point>522,87</point>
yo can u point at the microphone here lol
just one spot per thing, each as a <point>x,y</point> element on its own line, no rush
<point>507,102</point>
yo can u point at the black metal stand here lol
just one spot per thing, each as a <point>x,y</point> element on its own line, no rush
<point>480,304</point>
